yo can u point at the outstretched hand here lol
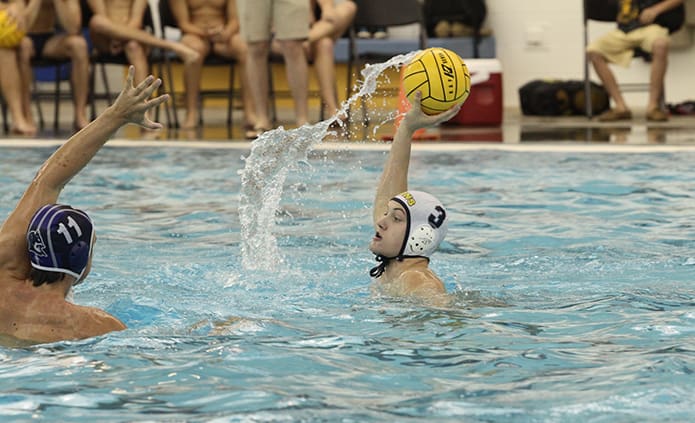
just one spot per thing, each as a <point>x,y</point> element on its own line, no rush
<point>415,118</point>
<point>133,102</point>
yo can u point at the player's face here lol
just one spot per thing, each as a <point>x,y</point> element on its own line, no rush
<point>390,231</point>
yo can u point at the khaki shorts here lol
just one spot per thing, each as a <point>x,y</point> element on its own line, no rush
<point>617,47</point>
<point>287,19</point>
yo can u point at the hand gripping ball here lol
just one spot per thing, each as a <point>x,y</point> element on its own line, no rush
<point>441,75</point>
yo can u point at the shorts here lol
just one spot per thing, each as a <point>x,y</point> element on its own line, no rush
<point>618,47</point>
<point>287,19</point>
<point>39,40</point>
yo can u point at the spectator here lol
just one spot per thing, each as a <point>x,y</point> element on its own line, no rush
<point>289,19</point>
<point>210,26</point>
<point>116,27</point>
<point>330,21</point>
<point>639,26</point>
<point>14,89</point>
<point>68,43</point>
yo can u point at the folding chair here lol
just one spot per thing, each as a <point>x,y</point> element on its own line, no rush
<point>606,11</point>
<point>50,71</point>
<point>383,13</point>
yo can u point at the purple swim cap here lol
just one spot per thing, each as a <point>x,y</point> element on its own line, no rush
<point>60,240</point>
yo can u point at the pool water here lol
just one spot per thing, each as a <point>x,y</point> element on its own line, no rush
<point>572,276</point>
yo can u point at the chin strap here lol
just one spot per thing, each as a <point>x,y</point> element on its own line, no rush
<point>378,270</point>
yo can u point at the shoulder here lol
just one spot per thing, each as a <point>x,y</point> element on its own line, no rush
<point>91,321</point>
<point>421,281</point>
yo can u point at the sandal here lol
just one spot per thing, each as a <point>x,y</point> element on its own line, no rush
<point>253,133</point>
<point>613,115</point>
<point>657,115</point>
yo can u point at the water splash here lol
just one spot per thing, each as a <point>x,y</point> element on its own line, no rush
<point>273,155</point>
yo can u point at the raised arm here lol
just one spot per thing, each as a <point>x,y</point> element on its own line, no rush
<point>394,178</point>
<point>70,159</point>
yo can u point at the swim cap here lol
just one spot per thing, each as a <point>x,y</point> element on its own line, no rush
<point>427,223</point>
<point>60,240</point>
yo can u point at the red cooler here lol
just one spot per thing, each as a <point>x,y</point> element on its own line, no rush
<point>484,104</point>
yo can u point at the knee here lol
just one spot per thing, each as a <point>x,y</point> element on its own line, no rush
<point>325,46</point>
<point>660,47</point>
<point>134,48</point>
<point>97,23</point>
<point>258,50</point>
<point>77,46</point>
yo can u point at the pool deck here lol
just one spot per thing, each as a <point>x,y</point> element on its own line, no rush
<point>516,132</point>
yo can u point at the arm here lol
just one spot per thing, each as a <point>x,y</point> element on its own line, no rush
<point>179,9</point>
<point>69,15</point>
<point>68,161</point>
<point>24,13</point>
<point>394,178</point>
<point>137,13</point>
<point>232,26</point>
<point>650,14</point>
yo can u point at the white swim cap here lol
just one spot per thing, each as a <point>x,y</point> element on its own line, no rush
<point>427,223</point>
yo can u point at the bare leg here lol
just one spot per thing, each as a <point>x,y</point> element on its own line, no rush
<point>104,26</point>
<point>297,77</point>
<point>73,47</point>
<point>257,75</point>
<point>26,75</point>
<point>192,73</point>
<point>325,71</point>
<point>608,79</point>
<point>11,86</point>
<point>238,49</point>
<point>658,72</point>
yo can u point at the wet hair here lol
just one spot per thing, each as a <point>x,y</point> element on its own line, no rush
<point>40,277</point>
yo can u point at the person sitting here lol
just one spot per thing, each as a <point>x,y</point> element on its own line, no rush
<point>46,248</point>
<point>210,26</point>
<point>330,21</point>
<point>68,43</point>
<point>639,26</point>
<point>116,27</point>
<point>409,225</point>
<point>14,82</point>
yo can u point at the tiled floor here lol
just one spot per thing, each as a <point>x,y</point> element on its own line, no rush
<point>515,129</point>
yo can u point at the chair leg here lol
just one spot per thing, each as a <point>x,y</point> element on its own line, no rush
<point>230,99</point>
<point>172,94</point>
<point>105,81</point>
<point>39,109</point>
<point>56,99</point>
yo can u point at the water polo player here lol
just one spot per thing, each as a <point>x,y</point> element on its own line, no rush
<point>46,248</point>
<point>409,225</point>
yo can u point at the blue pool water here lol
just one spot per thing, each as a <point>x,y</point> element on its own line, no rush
<point>572,273</point>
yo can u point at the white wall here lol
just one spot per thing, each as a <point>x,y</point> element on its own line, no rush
<point>556,28</point>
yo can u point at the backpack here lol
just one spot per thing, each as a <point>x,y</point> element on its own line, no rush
<point>552,97</point>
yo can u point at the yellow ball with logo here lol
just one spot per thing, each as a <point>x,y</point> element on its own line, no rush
<point>10,34</point>
<point>442,77</point>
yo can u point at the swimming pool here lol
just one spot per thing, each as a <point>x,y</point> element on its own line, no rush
<point>573,275</point>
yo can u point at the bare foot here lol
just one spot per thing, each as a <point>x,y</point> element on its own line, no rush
<point>187,54</point>
<point>23,130</point>
<point>80,122</point>
<point>191,121</point>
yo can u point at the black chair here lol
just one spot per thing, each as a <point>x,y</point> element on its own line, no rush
<point>382,13</point>
<point>53,72</point>
<point>166,19</point>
